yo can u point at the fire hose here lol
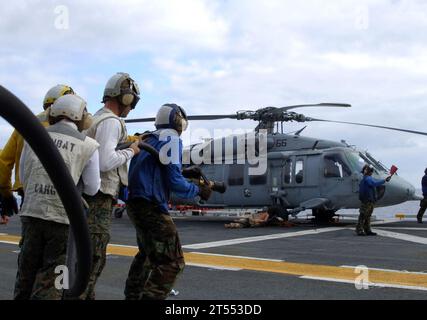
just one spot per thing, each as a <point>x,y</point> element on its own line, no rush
<point>193,172</point>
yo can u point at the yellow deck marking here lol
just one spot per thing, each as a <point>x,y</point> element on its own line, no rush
<point>9,239</point>
<point>298,269</point>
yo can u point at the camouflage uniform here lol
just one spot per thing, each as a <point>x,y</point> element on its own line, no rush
<point>364,223</point>
<point>423,207</point>
<point>99,222</point>
<point>43,248</point>
<point>160,259</point>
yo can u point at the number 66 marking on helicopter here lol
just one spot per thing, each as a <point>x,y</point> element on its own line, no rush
<point>281,143</point>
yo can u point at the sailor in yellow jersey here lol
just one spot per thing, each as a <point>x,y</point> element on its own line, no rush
<point>11,153</point>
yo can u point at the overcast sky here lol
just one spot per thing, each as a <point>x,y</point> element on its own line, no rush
<point>222,56</point>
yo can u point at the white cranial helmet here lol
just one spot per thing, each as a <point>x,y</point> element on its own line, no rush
<point>71,106</point>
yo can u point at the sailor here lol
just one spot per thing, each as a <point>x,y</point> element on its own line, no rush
<point>423,203</point>
<point>45,224</point>
<point>10,155</point>
<point>160,259</point>
<point>367,197</point>
<point>121,94</point>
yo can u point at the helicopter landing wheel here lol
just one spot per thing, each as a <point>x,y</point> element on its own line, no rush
<point>324,216</point>
<point>277,211</point>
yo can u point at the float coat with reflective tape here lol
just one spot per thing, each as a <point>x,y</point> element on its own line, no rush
<point>41,198</point>
<point>110,180</point>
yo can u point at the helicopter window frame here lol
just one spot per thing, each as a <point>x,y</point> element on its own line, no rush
<point>236,174</point>
<point>378,163</point>
<point>299,166</point>
<point>377,169</point>
<point>336,166</point>
<point>258,179</point>
<point>288,171</point>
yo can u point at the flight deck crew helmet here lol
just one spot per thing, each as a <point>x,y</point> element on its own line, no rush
<point>123,88</point>
<point>171,116</point>
<point>54,93</point>
<point>367,169</point>
<point>73,108</point>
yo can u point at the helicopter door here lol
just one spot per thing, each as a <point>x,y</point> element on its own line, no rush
<point>336,178</point>
<point>235,174</point>
<point>300,179</point>
<point>293,178</point>
<point>245,190</point>
<point>256,190</point>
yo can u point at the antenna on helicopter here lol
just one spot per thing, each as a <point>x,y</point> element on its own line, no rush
<point>299,131</point>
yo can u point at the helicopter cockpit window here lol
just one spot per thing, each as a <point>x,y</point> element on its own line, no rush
<point>299,171</point>
<point>287,172</point>
<point>335,166</point>
<point>235,174</point>
<point>356,161</point>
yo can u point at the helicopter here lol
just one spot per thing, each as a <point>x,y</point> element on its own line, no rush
<point>302,173</point>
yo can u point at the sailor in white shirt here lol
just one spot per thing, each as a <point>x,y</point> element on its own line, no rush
<point>121,94</point>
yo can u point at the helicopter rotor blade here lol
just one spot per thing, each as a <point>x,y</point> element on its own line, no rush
<point>213,117</point>
<point>201,117</point>
<point>140,120</point>
<point>333,105</point>
<point>370,125</point>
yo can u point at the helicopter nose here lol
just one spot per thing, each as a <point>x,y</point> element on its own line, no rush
<point>398,190</point>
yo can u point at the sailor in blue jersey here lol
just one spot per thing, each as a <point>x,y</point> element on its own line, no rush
<point>160,259</point>
<point>367,197</point>
<point>423,203</point>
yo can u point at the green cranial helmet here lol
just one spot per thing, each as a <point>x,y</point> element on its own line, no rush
<point>123,88</point>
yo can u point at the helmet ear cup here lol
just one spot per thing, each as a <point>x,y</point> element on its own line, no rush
<point>86,121</point>
<point>181,122</point>
<point>184,124</point>
<point>127,99</point>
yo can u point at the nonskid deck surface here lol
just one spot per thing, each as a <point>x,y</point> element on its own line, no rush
<point>305,261</point>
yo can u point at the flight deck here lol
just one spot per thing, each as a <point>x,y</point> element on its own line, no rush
<point>303,261</point>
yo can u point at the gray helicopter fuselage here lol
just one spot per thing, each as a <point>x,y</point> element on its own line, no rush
<point>305,173</point>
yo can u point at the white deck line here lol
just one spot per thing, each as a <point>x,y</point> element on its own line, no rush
<point>201,265</point>
<point>403,228</point>
<point>9,242</point>
<point>370,284</point>
<point>387,270</point>
<point>391,220</point>
<point>221,243</point>
<point>232,256</point>
<point>401,236</point>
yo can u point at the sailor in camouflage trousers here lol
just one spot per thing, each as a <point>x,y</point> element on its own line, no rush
<point>121,94</point>
<point>160,259</point>
<point>45,223</point>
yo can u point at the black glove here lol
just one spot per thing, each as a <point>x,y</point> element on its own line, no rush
<point>205,192</point>
<point>193,172</point>
<point>10,206</point>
